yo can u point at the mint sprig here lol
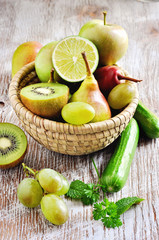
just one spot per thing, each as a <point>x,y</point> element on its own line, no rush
<point>87,193</point>
<point>125,203</point>
<point>76,190</point>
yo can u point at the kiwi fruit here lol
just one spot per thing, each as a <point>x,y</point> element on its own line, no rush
<point>13,145</point>
<point>45,99</point>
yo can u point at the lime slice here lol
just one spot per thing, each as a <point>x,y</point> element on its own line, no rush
<point>68,61</point>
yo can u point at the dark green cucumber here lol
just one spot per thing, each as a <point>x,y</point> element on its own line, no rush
<point>147,120</point>
<point>116,172</point>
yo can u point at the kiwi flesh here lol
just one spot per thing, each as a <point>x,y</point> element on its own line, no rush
<point>45,99</point>
<point>13,145</point>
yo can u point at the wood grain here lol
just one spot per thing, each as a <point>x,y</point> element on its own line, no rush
<point>45,21</point>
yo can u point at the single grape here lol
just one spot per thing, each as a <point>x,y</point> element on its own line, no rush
<point>121,95</point>
<point>78,113</point>
<point>50,180</point>
<point>65,186</point>
<point>54,209</point>
<point>29,192</point>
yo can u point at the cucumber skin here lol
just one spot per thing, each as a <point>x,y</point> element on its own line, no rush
<point>147,120</point>
<point>116,172</point>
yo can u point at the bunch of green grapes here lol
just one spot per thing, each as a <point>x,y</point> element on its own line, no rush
<point>45,189</point>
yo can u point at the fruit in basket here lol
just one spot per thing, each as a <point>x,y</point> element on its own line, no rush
<point>43,62</point>
<point>67,59</point>
<point>45,99</point>
<point>24,54</point>
<point>110,76</point>
<point>54,209</point>
<point>121,95</point>
<point>78,113</point>
<point>89,93</point>
<point>29,192</point>
<point>13,145</point>
<point>111,40</point>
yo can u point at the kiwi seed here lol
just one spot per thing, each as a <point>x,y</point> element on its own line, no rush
<point>45,99</point>
<point>43,91</point>
<point>13,145</point>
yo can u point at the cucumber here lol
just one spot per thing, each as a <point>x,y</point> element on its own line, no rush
<point>117,170</point>
<point>147,120</point>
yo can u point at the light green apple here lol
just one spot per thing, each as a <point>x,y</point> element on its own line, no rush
<point>111,40</point>
<point>24,54</point>
<point>43,62</point>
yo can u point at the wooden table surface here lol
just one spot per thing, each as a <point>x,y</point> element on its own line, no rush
<point>45,21</point>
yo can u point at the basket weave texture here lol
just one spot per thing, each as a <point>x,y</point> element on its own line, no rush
<point>62,137</point>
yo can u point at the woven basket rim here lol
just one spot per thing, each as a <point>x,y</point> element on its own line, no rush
<point>59,126</point>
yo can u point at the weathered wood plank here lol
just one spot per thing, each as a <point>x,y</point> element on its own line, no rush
<point>46,21</point>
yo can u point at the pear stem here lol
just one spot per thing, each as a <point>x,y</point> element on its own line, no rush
<point>51,76</point>
<point>105,14</point>
<point>87,64</point>
<point>128,78</point>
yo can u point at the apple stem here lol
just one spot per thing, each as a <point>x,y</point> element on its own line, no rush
<point>120,77</point>
<point>87,64</point>
<point>105,14</point>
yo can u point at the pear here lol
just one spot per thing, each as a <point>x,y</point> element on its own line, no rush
<point>24,54</point>
<point>90,93</point>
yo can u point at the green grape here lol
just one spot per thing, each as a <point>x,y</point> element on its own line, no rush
<point>121,95</point>
<point>50,180</point>
<point>29,192</point>
<point>65,186</point>
<point>54,209</point>
<point>78,113</point>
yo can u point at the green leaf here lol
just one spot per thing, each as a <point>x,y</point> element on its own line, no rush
<point>98,211</point>
<point>107,212</point>
<point>90,197</point>
<point>90,185</point>
<point>76,189</point>
<point>112,222</point>
<point>125,203</point>
<point>86,200</point>
<point>88,193</point>
<point>105,202</point>
<point>112,209</point>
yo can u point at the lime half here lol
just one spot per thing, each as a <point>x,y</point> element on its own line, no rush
<point>68,61</point>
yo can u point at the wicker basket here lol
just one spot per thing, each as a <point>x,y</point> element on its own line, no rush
<point>62,137</point>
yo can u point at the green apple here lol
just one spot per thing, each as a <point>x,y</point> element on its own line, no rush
<point>43,62</point>
<point>111,40</point>
<point>24,54</point>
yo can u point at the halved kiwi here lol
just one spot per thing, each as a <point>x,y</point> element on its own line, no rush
<point>45,99</point>
<point>13,145</point>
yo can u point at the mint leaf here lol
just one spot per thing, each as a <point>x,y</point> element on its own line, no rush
<point>125,203</point>
<point>90,196</point>
<point>76,190</point>
<point>87,193</point>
